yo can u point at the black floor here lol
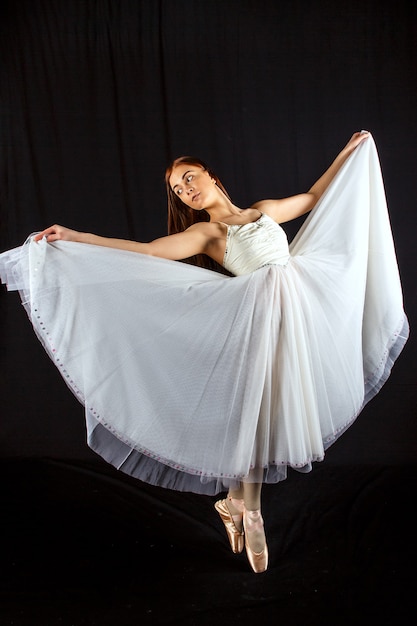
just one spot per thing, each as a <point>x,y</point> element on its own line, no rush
<point>85,545</point>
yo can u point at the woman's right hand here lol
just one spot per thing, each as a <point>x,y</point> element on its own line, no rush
<point>56,232</point>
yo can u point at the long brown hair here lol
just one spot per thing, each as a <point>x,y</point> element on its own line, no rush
<point>181,216</point>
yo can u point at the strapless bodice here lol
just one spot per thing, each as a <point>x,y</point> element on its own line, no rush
<point>254,245</point>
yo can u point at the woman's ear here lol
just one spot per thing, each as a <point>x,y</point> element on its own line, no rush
<point>213,180</point>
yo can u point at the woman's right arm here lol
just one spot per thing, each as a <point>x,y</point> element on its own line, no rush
<point>194,240</point>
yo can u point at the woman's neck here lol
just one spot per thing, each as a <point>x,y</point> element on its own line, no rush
<point>223,210</point>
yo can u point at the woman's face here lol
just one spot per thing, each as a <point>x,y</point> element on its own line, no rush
<point>193,185</point>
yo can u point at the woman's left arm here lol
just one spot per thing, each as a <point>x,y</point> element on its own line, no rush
<point>288,209</point>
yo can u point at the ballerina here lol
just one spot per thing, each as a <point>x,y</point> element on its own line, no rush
<point>212,382</point>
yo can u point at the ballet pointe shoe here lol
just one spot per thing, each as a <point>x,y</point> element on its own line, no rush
<point>253,523</point>
<point>236,536</point>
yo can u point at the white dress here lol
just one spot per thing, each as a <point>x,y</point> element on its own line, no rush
<point>194,381</point>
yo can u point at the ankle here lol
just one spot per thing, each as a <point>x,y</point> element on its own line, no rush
<point>237,505</point>
<point>254,520</point>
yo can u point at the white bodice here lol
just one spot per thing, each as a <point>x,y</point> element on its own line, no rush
<point>254,245</point>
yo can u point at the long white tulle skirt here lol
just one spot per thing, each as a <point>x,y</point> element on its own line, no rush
<point>195,381</point>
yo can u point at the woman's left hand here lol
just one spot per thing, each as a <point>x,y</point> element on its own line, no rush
<point>356,139</point>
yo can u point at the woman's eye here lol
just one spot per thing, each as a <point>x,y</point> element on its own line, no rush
<point>179,191</point>
<point>189,178</point>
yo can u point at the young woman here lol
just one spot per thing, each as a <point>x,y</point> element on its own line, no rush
<point>189,180</point>
<point>197,381</point>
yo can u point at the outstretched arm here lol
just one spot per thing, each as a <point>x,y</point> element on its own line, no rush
<point>289,208</point>
<point>192,241</point>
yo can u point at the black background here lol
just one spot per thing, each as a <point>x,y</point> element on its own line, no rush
<point>97,96</point>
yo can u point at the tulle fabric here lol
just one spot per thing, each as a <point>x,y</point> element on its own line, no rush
<point>194,381</point>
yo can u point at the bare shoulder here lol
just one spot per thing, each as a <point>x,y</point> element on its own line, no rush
<point>286,209</point>
<point>212,238</point>
<point>209,230</point>
<point>269,207</point>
